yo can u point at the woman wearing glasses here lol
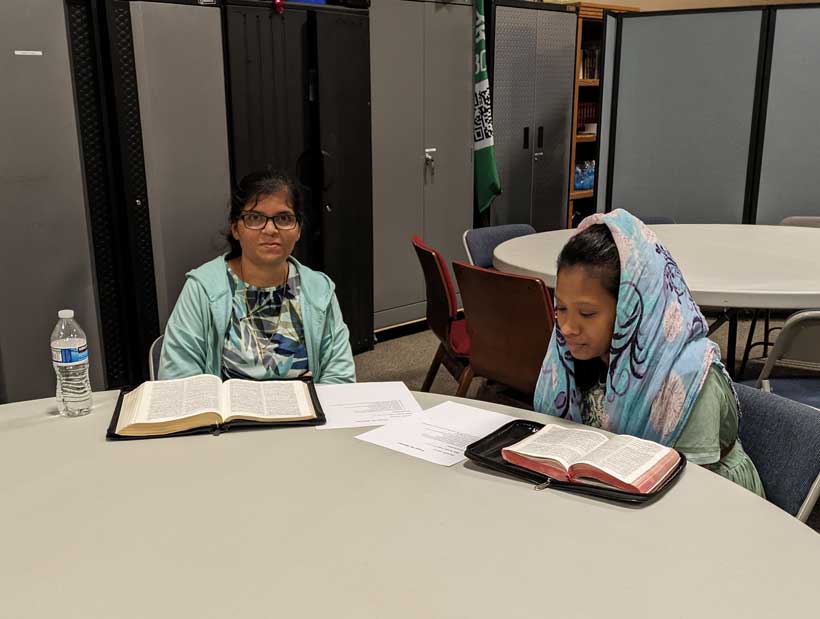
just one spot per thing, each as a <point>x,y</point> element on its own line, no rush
<point>256,312</point>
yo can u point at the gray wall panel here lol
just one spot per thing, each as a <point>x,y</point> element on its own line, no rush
<point>185,138</point>
<point>513,103</point>
<point>44,238</point>
<point>685,98</point>
<point>554,89</point>
<point>605,119</point>
<point>789,182</point>
<point>397,65</point>
<point>448,127</point>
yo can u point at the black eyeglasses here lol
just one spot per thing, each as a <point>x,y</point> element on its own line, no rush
<point>257,221</point>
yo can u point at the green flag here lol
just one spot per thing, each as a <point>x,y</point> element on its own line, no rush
<point>485,173</point>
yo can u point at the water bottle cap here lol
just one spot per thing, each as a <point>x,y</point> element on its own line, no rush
<point>66,313</point>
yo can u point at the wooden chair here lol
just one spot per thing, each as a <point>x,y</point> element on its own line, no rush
<point>442,315</point>
<point>509,321</point>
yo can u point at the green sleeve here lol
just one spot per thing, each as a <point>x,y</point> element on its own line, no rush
<point>701,440</point>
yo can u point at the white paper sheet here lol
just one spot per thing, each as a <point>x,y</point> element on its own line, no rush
<point>439,434</point>
<point>361,405</point>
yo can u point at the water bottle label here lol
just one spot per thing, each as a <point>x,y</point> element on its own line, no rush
<point>69,355</point>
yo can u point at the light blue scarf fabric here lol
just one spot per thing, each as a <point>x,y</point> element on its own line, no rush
<point>659,355</point>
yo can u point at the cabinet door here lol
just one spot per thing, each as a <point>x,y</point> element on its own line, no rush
<point>268,87</point>
<point>396,36</point>
<point>184,132</point>
<point>552,118</point>
<point>43,217</point>
<point>513,93</point>
<point>347,207</point>
<point>448,124</point>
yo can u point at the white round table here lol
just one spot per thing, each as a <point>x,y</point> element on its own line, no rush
<point>298,522</point>
<point>729,266</point>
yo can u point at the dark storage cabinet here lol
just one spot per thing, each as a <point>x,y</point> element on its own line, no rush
<point>299,92</point>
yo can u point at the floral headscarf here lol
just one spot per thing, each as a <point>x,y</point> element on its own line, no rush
<point>659,356</point>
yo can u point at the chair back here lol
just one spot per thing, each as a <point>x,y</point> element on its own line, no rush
<point>480,243</point>
<point>509,321</point>
<point>801,222</point>
<point>153,358</point>
<point>653,220</point>
<point>782,438</point>
<point>442,304</point>
<point>797,343</point>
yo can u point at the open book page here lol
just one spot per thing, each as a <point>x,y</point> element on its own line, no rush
<point>157,402</point>
<point>268,400</point>
<point>626,457</point>
<point>564,445</point>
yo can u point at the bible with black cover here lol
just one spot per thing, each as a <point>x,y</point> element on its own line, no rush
<point>204,404</point>
<point>487,452</point>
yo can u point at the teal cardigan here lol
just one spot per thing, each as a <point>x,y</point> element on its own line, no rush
<point>196,329</point>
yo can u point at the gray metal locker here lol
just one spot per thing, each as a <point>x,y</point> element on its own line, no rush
<point>185,138</point>
<point>45,247</point>
<point>421,93</point>
<point>534,65</point>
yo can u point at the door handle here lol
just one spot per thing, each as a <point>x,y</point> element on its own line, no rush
<point>526,138</point>
<point>537,156</point>
<point>430,159</point>
<point>540,142</point>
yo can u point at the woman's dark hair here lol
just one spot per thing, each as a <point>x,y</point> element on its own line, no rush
<point>595,249</point>
<point>258,186</point>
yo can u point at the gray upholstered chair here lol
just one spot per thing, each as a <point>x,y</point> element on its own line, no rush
<point>481,242</point>
<point>153,358</point>
<point>783,440</point>
<point>799,345</point>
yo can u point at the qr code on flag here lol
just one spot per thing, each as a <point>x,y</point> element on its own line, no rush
<point>482,115</point>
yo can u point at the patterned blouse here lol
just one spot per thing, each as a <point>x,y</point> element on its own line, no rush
<point>265,338</point>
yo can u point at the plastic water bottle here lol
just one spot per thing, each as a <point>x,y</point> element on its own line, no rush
<point>69,354</point>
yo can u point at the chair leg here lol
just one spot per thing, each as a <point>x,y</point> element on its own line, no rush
<point>434,366</point>
<point>748,347</point>
<point>766,330</point>
<point>464,381</point>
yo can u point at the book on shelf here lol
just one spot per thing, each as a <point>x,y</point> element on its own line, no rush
<point>589,63</point>
<point>586,456</point>
<point>204,403</point>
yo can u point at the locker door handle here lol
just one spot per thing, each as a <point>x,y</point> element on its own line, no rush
<point>537,156</point>
<point>430,159</point>
<point>540,142</point>
<point>526,138</point>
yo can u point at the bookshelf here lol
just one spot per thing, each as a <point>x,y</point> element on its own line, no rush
<point>589,56</point>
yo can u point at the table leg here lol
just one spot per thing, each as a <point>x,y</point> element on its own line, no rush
<point>731,344</point>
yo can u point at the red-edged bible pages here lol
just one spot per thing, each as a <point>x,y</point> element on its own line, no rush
<point>585,456</point>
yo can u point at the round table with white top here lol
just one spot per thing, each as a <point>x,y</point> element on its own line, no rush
<point>299,522</point>
<point>726,266</point>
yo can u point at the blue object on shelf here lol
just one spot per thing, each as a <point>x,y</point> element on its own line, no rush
<point>584,175</point>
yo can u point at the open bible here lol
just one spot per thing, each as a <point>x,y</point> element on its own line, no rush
<point>204,403</point>
<point>588,457</point>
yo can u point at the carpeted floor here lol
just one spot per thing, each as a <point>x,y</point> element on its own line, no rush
<point>407,359</point>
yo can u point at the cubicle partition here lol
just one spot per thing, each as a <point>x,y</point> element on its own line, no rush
<point>605,120</point>
<point>789,182</point>
<point>684,104</point>
<point>711,118</point>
